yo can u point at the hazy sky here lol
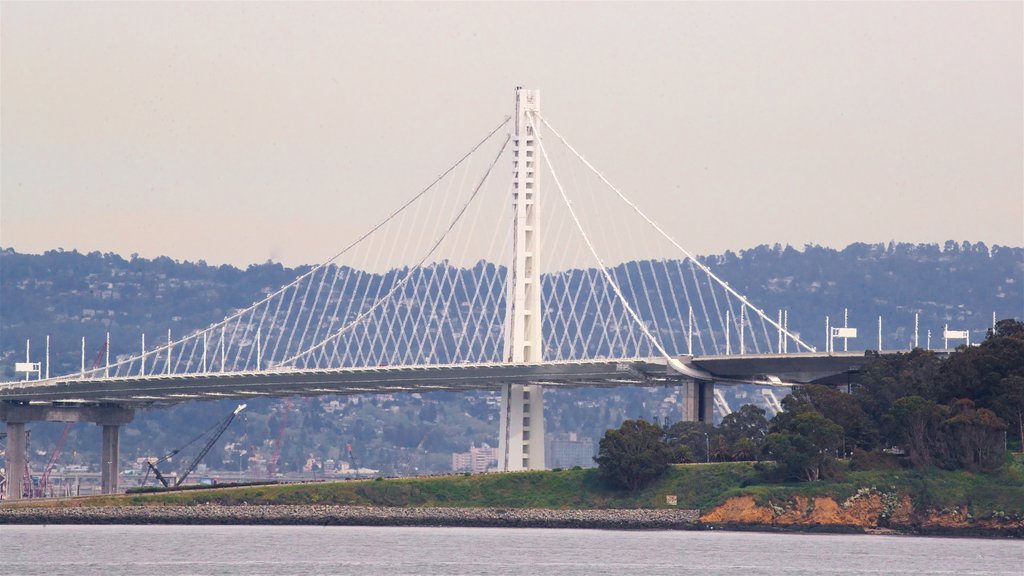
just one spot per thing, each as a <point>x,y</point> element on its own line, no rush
<point>236,132</point>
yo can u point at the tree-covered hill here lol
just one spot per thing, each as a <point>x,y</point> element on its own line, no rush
<point>68,295</point>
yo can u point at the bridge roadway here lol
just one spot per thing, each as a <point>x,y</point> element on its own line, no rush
<point>165,389</point>
<point>112,402</point>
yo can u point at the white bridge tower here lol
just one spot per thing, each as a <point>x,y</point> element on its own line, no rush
<point>521,432</point>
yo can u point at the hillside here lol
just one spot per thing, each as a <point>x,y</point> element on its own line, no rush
<point>68,295</point>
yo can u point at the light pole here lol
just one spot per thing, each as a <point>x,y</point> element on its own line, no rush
<point>707,448</point>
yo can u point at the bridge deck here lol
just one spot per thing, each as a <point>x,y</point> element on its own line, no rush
<point>171,388</point>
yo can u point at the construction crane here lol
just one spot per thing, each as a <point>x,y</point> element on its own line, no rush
<point>44,479</point>
<point>214,434</point>
<point>352,460</point>
<point>272,465</point>
<point>99,355</point>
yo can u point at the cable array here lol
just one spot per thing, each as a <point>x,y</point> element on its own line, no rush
<point>420,287</point>
<point>428,284</point>
<point>641,306</point>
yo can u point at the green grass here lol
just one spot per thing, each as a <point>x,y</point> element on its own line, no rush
<point>699,486</point>
<point>696,486</point>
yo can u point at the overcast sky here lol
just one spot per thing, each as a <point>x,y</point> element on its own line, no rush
<point>236,132</point>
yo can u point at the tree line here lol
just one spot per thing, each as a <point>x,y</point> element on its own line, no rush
<point>957,412</point>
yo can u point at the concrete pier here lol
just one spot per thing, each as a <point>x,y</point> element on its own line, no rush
<point>521,428</point>
<point>109,463</point>
<point>18,414</point>
<point>698,401</point>
<point>17,444</point>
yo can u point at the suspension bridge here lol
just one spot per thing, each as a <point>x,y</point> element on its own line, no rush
<point>477,281</point>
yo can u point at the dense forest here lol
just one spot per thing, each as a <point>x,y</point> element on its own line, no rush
<point>68,295</point>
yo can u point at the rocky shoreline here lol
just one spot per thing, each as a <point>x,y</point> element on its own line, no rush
<point>821,516</point>
<point>326,515</point>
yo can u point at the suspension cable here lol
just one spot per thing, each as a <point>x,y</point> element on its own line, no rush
<point>418,265</point>
<point>636,208</point>
<point>167,347</point>
<point>586,239</point>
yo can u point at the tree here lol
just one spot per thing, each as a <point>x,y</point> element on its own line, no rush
<point>806,446</point>
<point>748,422</point>
<point>886,379</point>
<point>1008,328</point>
<point>916,420</point>
<point>633,455</point>
<point>746,449</point>
<point>977,372</point>
<point>1009,403</point>
<point>824,433</point>
<point>796,455</point>
<point>843,409</point>
<point>688,441</point>
<point>972,438</point>
<point>744,431</point>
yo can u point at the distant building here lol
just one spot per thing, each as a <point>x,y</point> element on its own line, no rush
<point>479,459</point>
<point>568,450</point>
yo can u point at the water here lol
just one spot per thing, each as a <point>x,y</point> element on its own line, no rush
<point>299,550</point>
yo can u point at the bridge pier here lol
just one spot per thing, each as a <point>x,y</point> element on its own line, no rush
<point>109,457</point>
<point>17,415</point>
<point>698,401</point>
<point>17,446</point>
<point>521,428</point>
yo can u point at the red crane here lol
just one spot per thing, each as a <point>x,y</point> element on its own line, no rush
<point>44,480</point>
<point>99,356</point>
<point>272,465</point>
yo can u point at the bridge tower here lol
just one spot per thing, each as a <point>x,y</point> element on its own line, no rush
<point>521,431</point>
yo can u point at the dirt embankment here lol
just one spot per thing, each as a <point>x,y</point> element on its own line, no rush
<point>868,510</point>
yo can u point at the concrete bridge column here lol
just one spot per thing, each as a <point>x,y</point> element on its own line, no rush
<point>17,445</point>
<point>110,416</point>
<point>109,462</point>
<point>521,428</point>
<point>698,401</point>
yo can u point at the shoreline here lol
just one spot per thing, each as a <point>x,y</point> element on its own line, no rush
<point>341,515</point>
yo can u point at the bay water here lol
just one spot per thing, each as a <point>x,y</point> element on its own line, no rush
<point>303,550</point>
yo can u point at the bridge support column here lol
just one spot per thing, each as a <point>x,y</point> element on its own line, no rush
<point>110,416</point>
<point>109,462</point>
<point>521,430</point>
<point>17,445</point>
<point>698,401</point>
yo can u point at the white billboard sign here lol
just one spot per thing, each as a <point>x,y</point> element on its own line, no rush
<point>844,332</point>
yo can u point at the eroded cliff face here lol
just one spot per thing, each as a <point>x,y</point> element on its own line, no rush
<point>869,510</point>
